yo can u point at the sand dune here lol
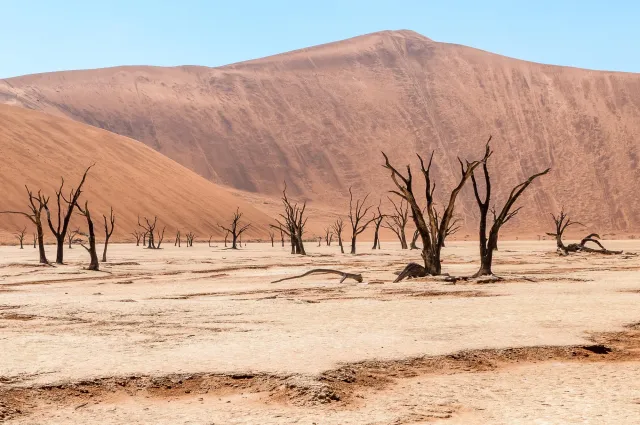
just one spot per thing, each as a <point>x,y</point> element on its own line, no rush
<point>319,118</point>
<point>37,149</point>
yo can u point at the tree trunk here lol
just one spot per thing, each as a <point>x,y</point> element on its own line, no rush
<point>104,251</point>
<point>353,244</point>
<point>432,263</point>
<point>234,241</point>
<point>60,249</point>
<point>341,246</point>
<point>403,240</point>
<point>94,265</point>
<point>43,255</point>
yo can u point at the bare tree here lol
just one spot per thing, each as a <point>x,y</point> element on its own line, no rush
<point>356,216</point>
<point>294,223</point>
<point>210,237</point>
<point>108,232</point>
<point>489,243</point>
<point>138,235</point>
<point>235,229</point>
<point>562,221</point>
<point>397,222</point>
<point>272,236</point>
<point>436,226</point>
<point>282,236</point>
<point>177,242</point>
<point>20,236</point>
<point>148,227</point>
<point>190,237</point>
<point>71,237</point>
<point>338,226</point>
<point>34,240</point>
<point>36,205</point>
<point>319,240</point>
<point>414,239</point>
<point>91,249</point>
<point>160,237</point>
<point>377,222</point>
<point>60,231</point>
<point>328,235</point>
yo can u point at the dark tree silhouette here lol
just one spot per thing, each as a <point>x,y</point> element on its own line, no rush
<point>338,226</point>
<point>148,227</point>
<point>562,221</point>
<point>190,237</point>
<point>414,239</point>
<point>71,237</point>
<point>36,205</point>
<point>91,249</point>
<point>108,232</point>
<point>34,240</point>
<point>328,235</point>
<point>282,237</point>
<point>272,236</point>
<point>235,229</point>
<point>64,217</point>
<point>177,242</point>
<point>397,222</point>
<point>437,225</point>
<point>20,236</point>
<point>377,222</point>
<point>160,237</point>
<point>138,235</point>
<point>294,223</point>
<point>357,215</point>
<point>489,243</point>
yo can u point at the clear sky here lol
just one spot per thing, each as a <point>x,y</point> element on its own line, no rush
<point>49,35</point>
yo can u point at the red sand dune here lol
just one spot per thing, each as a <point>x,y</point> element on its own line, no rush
<point>37,149</point>
<point>319,118</point>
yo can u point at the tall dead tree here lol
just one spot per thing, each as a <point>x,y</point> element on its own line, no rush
<point>149,227</point>
<point>177,242</point>
<point>190,237</point>
<point>489,243</point>
<point>294,223</point>
<point>437,225</point>
<point>235,229</point>
<point>160,237</point>
<point>377,222</point>
<point>108,232</point>
<point>397,222</point>
<point>338,226</point>
<point>138,235</point>
<point>20,236</point>
<point>562,221</point>
<point>272,236</point>
<point>91,249</point>
<point>357,215</point>
<point>71,237</point>
<point>328,236</point>
<point>36,205</point>
<point>64,217</point>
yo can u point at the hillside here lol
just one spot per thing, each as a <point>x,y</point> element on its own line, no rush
<point>319,118</point>
<point>37,149</point>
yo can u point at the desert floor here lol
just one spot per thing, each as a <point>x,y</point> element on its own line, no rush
<point>200,336</point>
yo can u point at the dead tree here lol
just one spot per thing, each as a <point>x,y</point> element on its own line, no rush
<point>144,237</point>
<point>177,242</point>
<point>235,229</point>
<point>272,236</point>
<point>328,236</point>
<point>397,222</point>
<point>282,237</point>
<point>562,221</point>
<point>149,228</point>
<point>414,239</point>
<point>138,236</point>
<point>344,275</point>
<point>20,236</point>
<point>190,237</point>
<point>356,216</point>
<point>338,226</point>
<point>34,240</point>
<point>294,223</point>
<point>377,222</point>
<point>91,249</point>
<point>489,243</point>
<point>210,237</point>
<point>60,231</point>
<point>319,240</point>
<point>36,205</point>
<point>108,232</point>
<point>71,237</point>
<point>437,225</point>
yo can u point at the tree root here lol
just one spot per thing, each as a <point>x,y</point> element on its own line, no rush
<point>345,275</point>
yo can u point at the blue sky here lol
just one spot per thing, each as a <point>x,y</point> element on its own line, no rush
<point>40,36</point>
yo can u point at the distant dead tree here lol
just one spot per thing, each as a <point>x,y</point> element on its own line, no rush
<point>138,235</point>
<point>144,237</point>
<point>36,205</point>
<point>190,237</point>
<point>414,239</point>
<point>91,249</point>
<point>357,215</point>
<point>436,226</point>
<point>282,237</point>
<point>489,243</point>
<point>71,237</point>
<point>210,237</point>
<point>319,240</point>
<point>272,236</point>
<point>34,240</point>
<point>328,236</point>
<point>60,231</point>
<point>338,226</point>
<point>377,222</point>
<point>149,227</point>
<point>562,221</point>
<point>397,222</point>
<point>20,236</point>
<point>177,242</point>
<point>108,232</point>
<point>294,223</point>
<point>235,229</point>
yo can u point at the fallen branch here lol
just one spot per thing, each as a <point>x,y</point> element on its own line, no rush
<point>345,275</point>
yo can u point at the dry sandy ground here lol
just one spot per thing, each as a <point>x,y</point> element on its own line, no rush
<point>200,336</point>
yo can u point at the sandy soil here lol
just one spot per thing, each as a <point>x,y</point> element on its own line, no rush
<point>199,336</point>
